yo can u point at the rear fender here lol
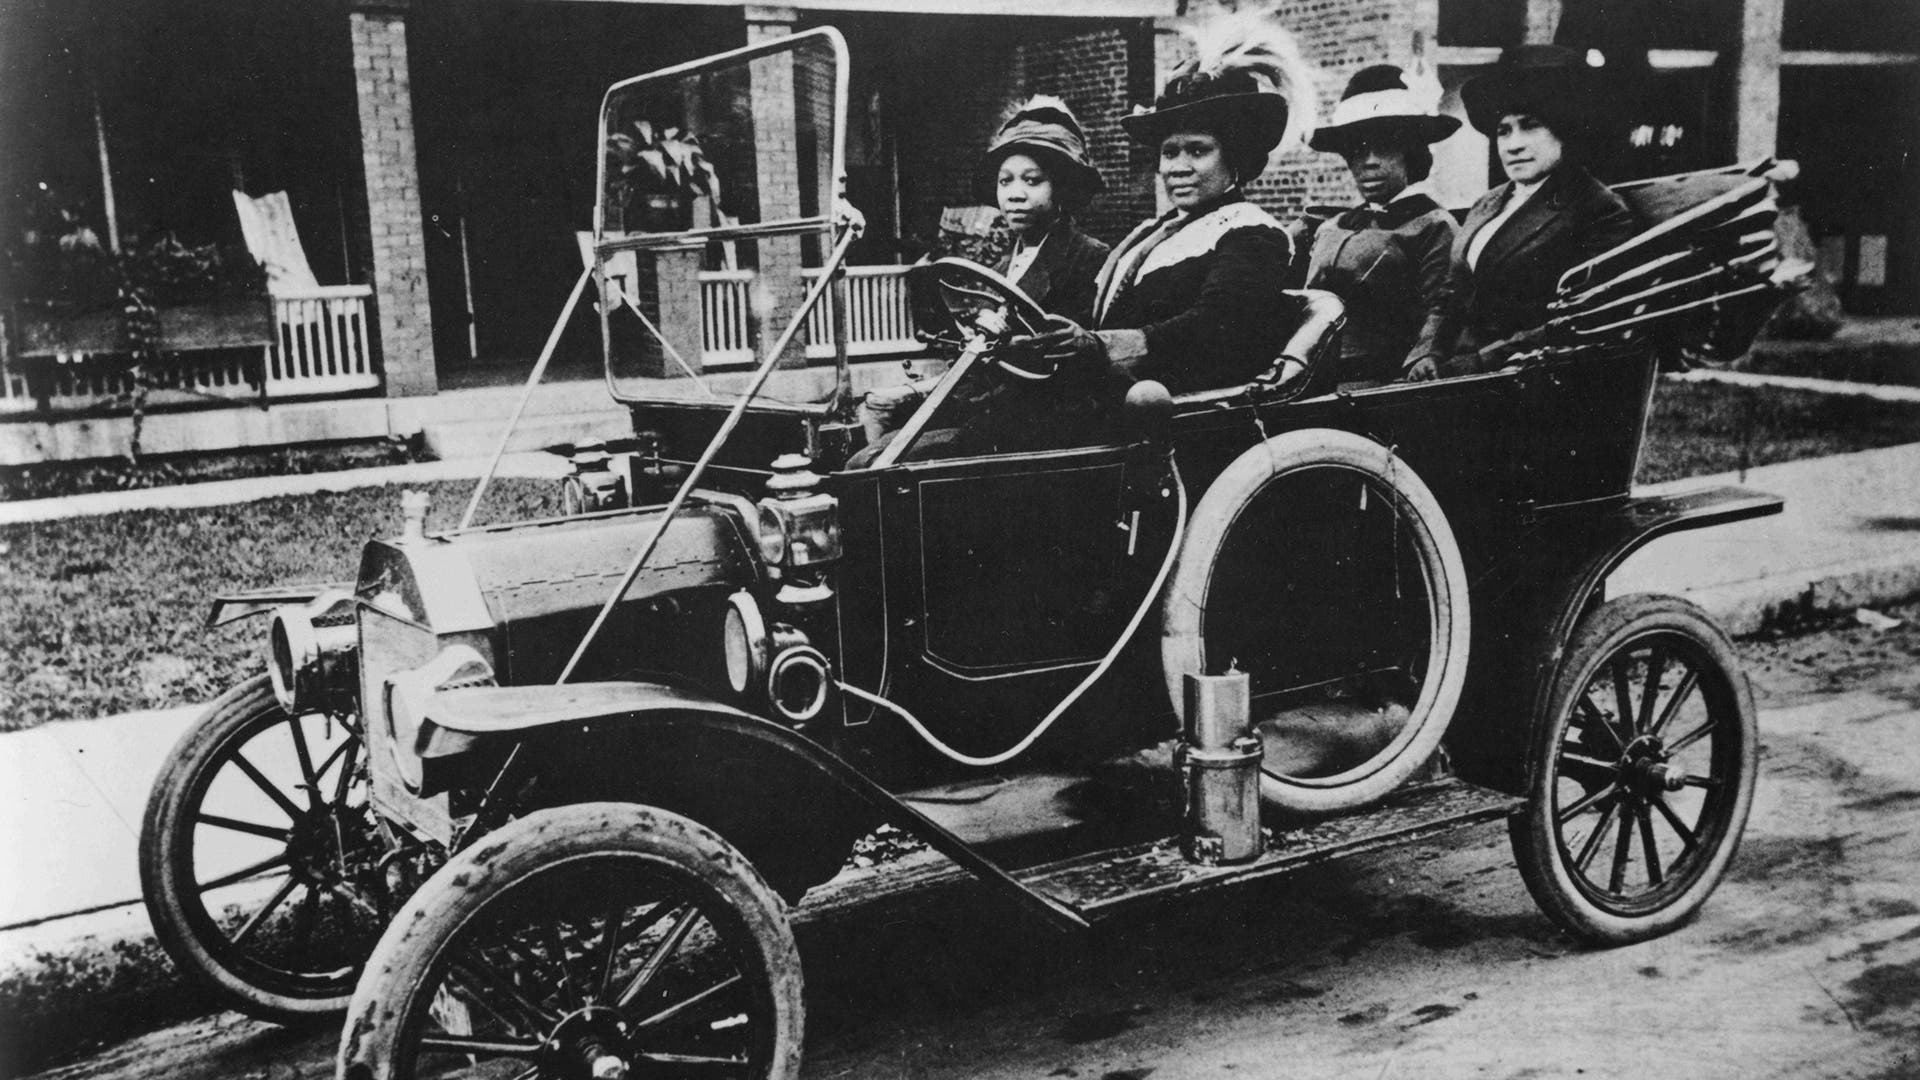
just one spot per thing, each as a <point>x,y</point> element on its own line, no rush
<point>770,789</point>
<point>1518,648</point>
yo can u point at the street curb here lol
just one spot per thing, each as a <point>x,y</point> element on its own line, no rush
<point>1751,607</point>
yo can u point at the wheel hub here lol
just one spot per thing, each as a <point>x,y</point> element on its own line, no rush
<point>589,1044</point>
<point>1645,771</point>
<point>321,842</point>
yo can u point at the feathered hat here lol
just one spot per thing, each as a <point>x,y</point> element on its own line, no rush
<point>1244,66</point>
<point>1384,104</point>
<point>1045,128</point>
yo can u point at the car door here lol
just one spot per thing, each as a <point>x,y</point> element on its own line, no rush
<point>1009,577</point>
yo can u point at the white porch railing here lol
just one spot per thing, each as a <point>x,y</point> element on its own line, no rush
<point>322,349</point>
<point>879,319</point>
<point>726,332</point>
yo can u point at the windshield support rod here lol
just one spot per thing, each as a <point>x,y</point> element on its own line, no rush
<point>713,449</point>
<point>533,380</point>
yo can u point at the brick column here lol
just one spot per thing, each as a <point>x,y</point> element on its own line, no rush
<point>778,286</point>
<point>1543,18</point>
<point>394,219</point>
<point>1757,80</point>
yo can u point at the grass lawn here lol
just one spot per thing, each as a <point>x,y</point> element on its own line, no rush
<point>101,615</point>
<point>1702,428</point>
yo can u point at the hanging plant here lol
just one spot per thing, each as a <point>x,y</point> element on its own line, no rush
<point>68,296</point>
<point>655,173</point>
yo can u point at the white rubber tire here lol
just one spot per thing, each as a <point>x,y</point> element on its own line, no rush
<point>1184,605</point>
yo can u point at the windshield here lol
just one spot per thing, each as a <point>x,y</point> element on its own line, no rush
<point>716,199</point>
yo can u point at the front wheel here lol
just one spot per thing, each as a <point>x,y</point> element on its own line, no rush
<point>259,859</point>
<point>1642,772</point>
<point>596,940</point>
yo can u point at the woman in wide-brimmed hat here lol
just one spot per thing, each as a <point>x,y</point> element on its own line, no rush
<point>1036,171</point>
<point>1542,107</point>
<point>1038,174</point>
<point>1194,297</point>
<point>1387,259</point>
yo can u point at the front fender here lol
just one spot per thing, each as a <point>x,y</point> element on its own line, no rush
<point>599,716</point>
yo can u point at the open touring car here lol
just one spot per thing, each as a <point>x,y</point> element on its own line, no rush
<point>554,783</point>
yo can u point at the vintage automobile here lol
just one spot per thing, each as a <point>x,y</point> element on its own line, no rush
<point>551,786</point>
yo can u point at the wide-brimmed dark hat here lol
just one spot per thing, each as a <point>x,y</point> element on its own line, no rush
<point>1548,81</point>
<point>1381,108</point>
<point>1234,105</point>
<point>1046,129</point>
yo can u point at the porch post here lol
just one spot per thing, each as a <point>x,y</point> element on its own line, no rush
<point>1543,18</point>
<point>1757,102</point>
<point>778,286</point>
<point>394,218</point>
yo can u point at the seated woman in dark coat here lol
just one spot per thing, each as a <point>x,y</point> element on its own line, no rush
<point>1550,215</point>
<point>1386,260</point>
<point>1194,298</point>
<point>1037,173</point>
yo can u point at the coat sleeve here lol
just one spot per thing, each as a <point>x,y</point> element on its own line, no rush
<point>1433,255</point>
<point>1234,329</point>
<point>1602,222</point>
<point>1072,292</point>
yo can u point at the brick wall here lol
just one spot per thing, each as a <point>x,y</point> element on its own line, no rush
<point>398,241</point>
<point>1095,73</point>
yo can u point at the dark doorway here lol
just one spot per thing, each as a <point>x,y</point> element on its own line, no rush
<point>506,97</point>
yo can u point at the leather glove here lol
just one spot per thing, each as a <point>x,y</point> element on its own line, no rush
<point>1424,369</point>
<point>1065,345</point>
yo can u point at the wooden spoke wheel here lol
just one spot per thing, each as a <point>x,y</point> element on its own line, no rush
<point>601,940</point>
<point>259,859</point>
<point>1643,772</point>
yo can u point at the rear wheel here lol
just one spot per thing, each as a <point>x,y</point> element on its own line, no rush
<point>596,940</point>
<point>1642,772</point>
<point>259,857</point>
<point>1322,566</point>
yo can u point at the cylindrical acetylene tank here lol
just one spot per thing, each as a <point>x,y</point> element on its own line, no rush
<point>1221,762</point>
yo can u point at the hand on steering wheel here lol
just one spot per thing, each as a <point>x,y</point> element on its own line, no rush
<point>1064,346</point>
<point>963,301</point>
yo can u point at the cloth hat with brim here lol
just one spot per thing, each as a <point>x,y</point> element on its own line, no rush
<point>1233,105</point>
<point>1046,130</point>
<point>1379,108</point>
<point>1547,81</point>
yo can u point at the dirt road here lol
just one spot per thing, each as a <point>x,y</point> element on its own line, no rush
<point>1423,962</point>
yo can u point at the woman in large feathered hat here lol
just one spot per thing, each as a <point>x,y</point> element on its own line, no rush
<point>1387,259</point>
<point>1194,297</point>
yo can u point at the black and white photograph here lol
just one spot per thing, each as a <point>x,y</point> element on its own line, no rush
<point>959,539</point>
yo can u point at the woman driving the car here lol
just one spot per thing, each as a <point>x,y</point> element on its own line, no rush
<point>1037,173</point>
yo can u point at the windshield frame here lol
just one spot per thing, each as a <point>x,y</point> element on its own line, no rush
<point>822,224</point>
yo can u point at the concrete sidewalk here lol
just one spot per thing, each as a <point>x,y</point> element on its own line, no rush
<point>71,794</point>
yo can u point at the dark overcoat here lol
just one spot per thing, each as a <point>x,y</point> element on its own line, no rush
<point>1499,308</point>
<point>1208,293</point>
<point>1061,277</point>
<point>1389,266</point>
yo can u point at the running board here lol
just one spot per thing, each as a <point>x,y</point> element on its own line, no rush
<point>1103,883</point>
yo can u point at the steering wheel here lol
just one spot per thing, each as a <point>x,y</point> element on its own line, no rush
<point>961,302</point>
